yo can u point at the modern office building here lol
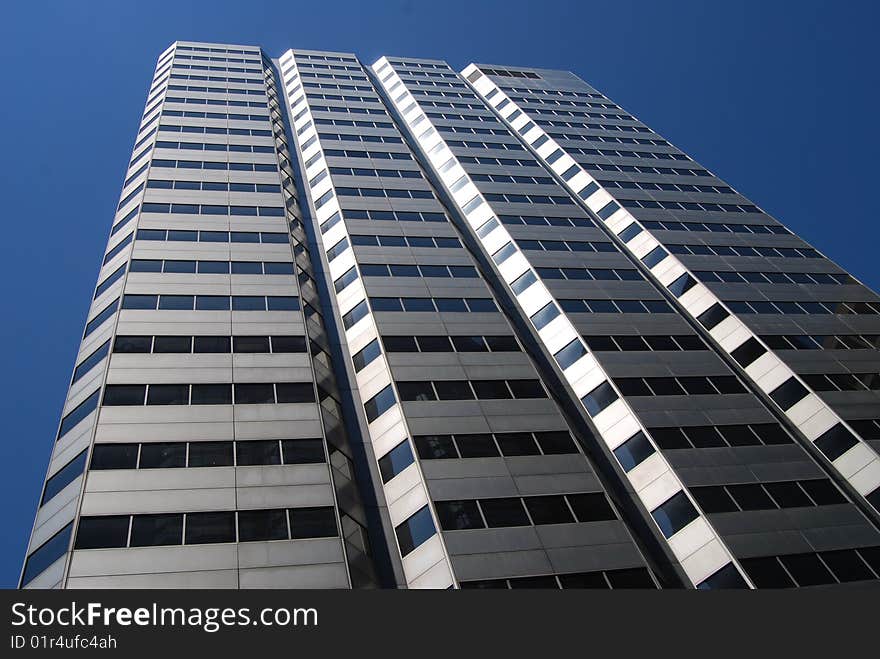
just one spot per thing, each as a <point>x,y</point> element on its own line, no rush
<point>391,325</point>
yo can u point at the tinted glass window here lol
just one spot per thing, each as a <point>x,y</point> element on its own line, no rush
<point>435,447</point>
<point>254,393</point>
<point>504,512</point>
<point>395,461</point>
<point>283,344</point>
<point>264,452</point>
<point>303,451</point>
<point>312,523</point>
<point>254,525</point>
<point>156,530</point>
<point>459,515</point>
<point>211,394</point>
<point>210,527</point>
<point>168,394</point>
<point>163,455</point>
<point>517,443</point>
<point>476,445</point>
<point>592,507</point>
<point>549,510</point>
<point>172,344</point>
<point>100,532</point>
<point>114,456</point>
<point>137,344</point>
<point>674,514</point>
<point>210,344</point>
<point>124,394</point>
<point>210,454</point>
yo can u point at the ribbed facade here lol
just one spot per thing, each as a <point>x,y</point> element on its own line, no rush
<point>396,326</point>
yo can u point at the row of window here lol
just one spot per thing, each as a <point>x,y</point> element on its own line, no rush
<point>163,529</point>
<point>214,209</point>
<point>727,276</point>
<point>208,67</point>
<point>178,455</point>
<point>341,109</point>
<point>432,271</point>
<point>598,274</point>
<point>392,216</point>
<point>374,155</point>
<point>211,302</point>
<point>221,186</point>
<point>381,173</point>
<point>230,166</point>
<point>205,58</point>
<point>444,343</point>
<point>383,193</point>
<point>195,114</point>
<point>341,87</point>
<point>690,206</point>
<point>441,304</point>
<point>348,98</point>
<point>426,390</point>
<point>216,90</point>
<point>637,343</point>
<point>814,569</point>
<point>453,130</point>
<point>680,386</point>
<point>767,496</point>
<point>493,445</point>
<point>353,123</point>
<point>468,514</point>
<point>253,80</point>
<point>843,381</point>
<point>533,220</point>
<point>212,267</point>
<point>668,187</point>
<point>205,49</point>
<point>209,394</point>
<point>346,137</point>
<point>566,245</point>
<point>715,227</point>
<point>214,101</point>
<point>619,153</point>
<point>615,306</point>
<point>404,241</point>
<point>822,342</point>
<point>700,249</point>
<point>540,94</point>
<point>614,116</point>
<point>802,307</point>
<point>207,146</point>
<point>186,235</point>
<point>208,344</point>
<point>501,162</point>
<point>720,436</point>
<point>636,577</point>
<point>621,128</point>
<point>473,144</point>
<point>606,139</point>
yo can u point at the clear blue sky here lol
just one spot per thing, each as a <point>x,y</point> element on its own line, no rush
<point>778,98</point>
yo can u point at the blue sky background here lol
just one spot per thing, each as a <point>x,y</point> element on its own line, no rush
<point>778,98</point>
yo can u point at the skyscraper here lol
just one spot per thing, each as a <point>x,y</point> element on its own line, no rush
<point>396,326</point>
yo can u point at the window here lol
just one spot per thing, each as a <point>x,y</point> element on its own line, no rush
<point>211,394</point>
<point>286,344</point>
<point>295,392</point>
<point>163,455</point>
<point>835,441</point>
<point>64,476</point>
<point>124,394</point>
<point>435,447</point>
<point>546,314</point>
<point>674,514</point>
<point>395,461</point>
<point>453,390</point>
<point>726,577</point>
<point>91,361</point>
<point>555,442</point>
<point>504,512</point>
<point>416,390</point>
<point>591,507</point>
<point>459,515</point>
<point>599,398</point>
<point>379,404</point>
<point>415,530</point>
<point>180,344</point>
<point>748,352</point>
<point>114,456</point>
<point>517,443</point>
<point>102,532</point>
<point>210,454</point>
<point>257,452</point>
<point>712,316</point>
<point>261,525</point>
<point>46,554</point>
<point>526,389</point>
<point>491,389</point>
<point>570,354</point>
<point>549,510</point>
<point>156,530</point>
<point>167,394</point>
<point>202,528</point>
<point>366,355</point>
<point>356,314</point>
<point>633,451</point>
<point>476,445</point>
<point>788,393</point>
<point>523,282</point>
<point>303,451</point>
<point>210,344</point>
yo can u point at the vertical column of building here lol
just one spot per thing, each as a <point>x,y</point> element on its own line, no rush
<point>53,527</point>
<point>803,558</point>
<point>209,465</point>
<point>466,439</point>
<point>799,282</point>
<point>492,165</point>
<point>347,486</point>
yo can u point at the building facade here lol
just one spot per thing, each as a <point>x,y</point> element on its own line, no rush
<point>392,325</point>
